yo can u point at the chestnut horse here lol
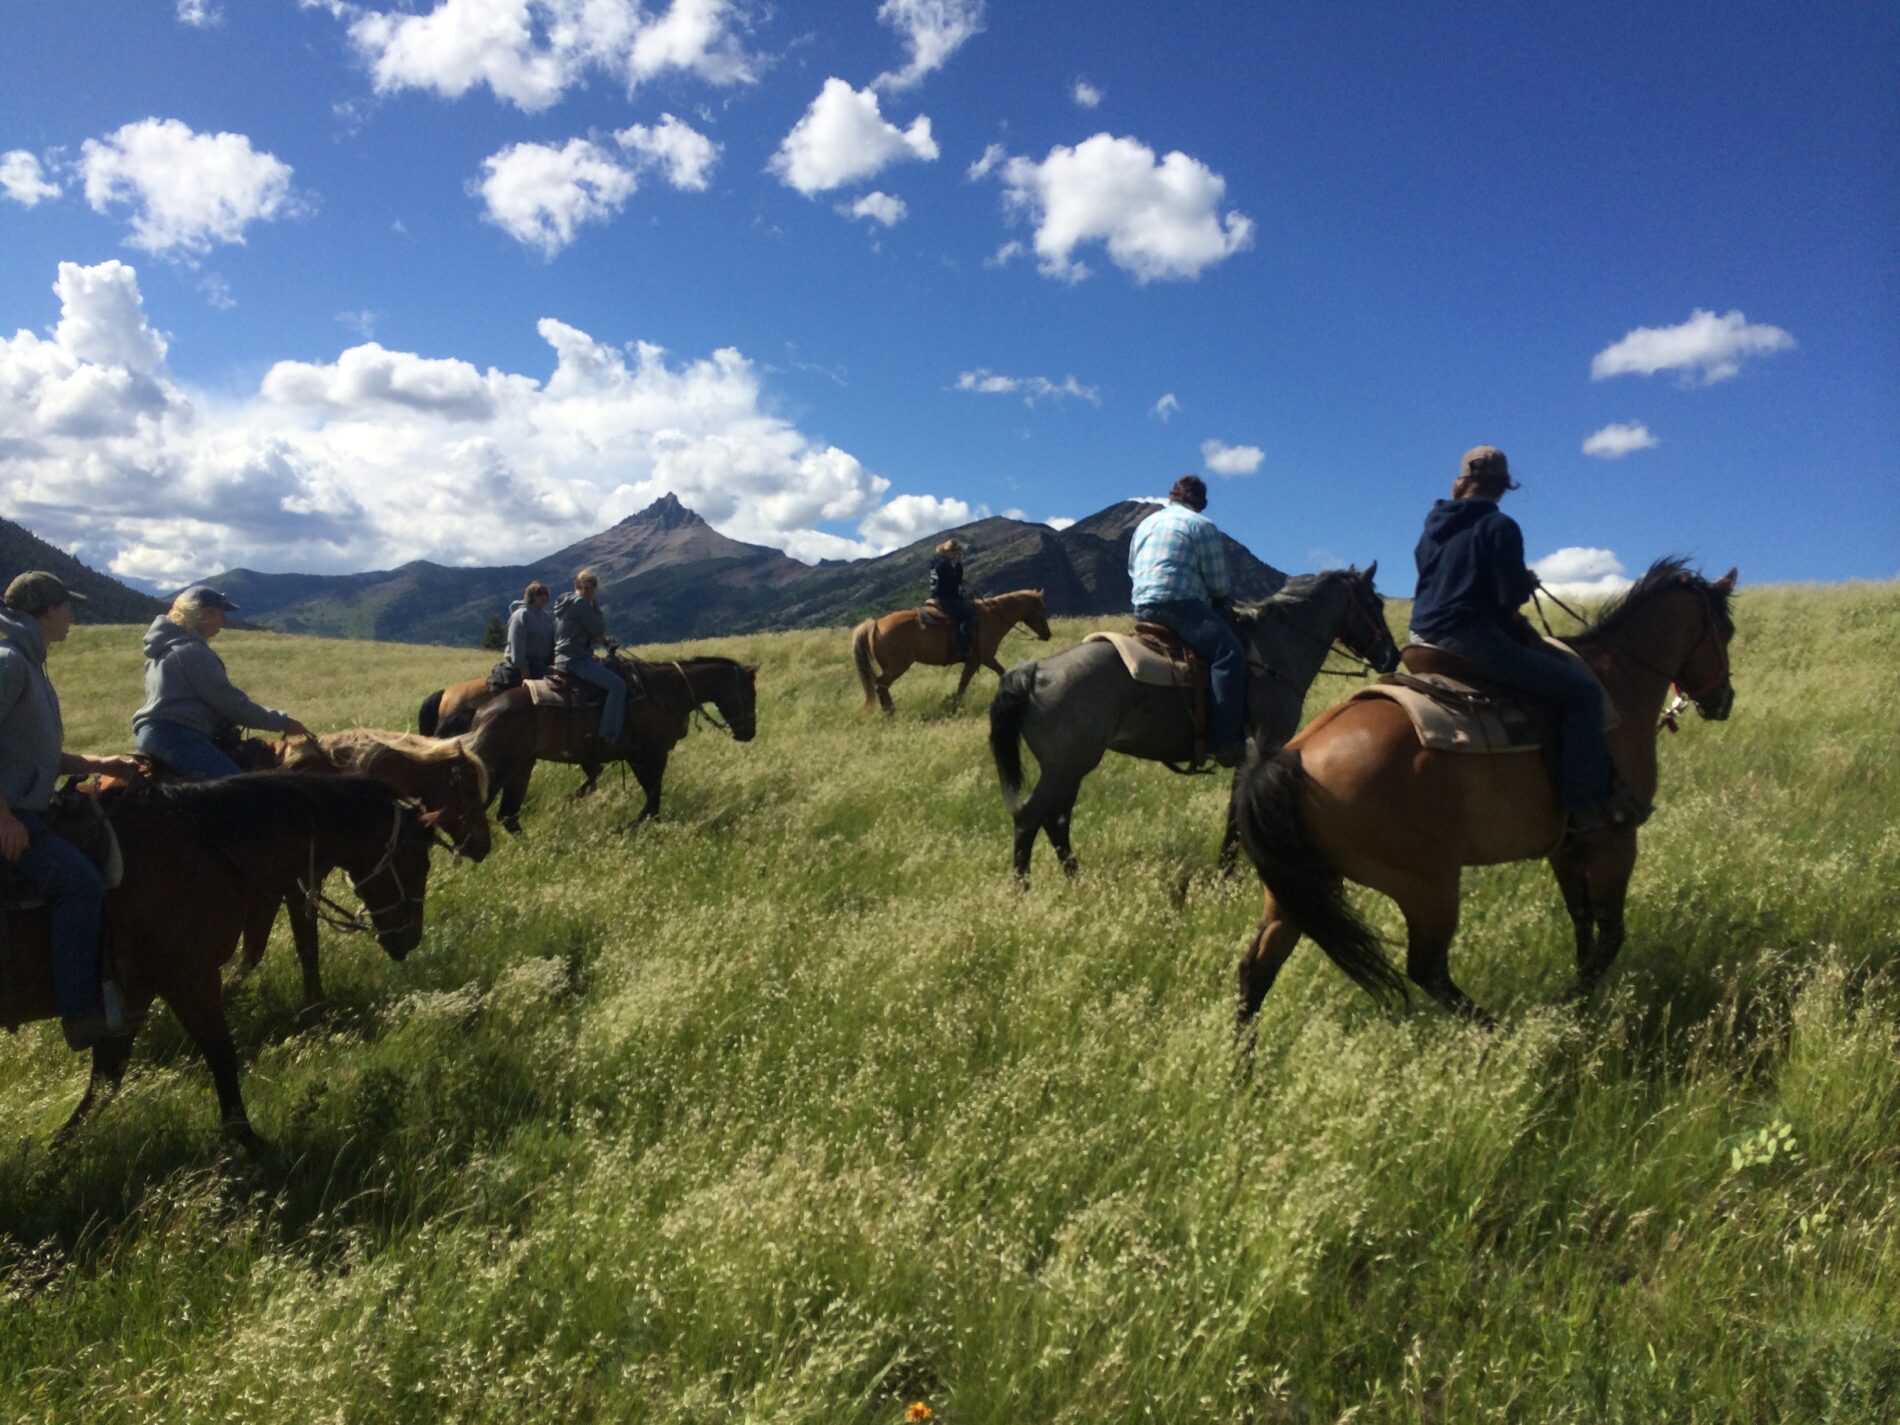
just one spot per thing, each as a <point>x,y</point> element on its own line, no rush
<point>1354,796</point>
<point>201,860</point>
<point>450,711</point>
<point>511,733</point>
<point>442,777</point>
<point>898,640</point>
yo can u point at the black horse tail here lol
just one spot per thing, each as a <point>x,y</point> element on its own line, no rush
<point>457,722</point>
<point>1007,710</point>
<point>429,712</point>
<point>1305,884</point>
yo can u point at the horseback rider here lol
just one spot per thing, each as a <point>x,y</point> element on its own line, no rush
<point>1472,584</point>
<point>578,626</point>
<point>38,610</point>
<point>531,632</point>
<point>946,592</point>
<point>189,697</point>
<point>1178,569</point>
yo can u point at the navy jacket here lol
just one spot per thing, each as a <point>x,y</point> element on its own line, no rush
<point>946,579</point>
<point>1471,569</point>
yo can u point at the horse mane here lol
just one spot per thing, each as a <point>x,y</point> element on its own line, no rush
<point>370,750</point>
<point>1296,590</point>
<point>258,804</point>
<point>1012,594</point>
<point>1672,571</point>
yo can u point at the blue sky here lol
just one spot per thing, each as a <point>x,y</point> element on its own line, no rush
<point>331,286</point>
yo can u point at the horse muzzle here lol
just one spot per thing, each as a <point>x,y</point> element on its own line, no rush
<point>1717,708</point>
<point>398,943</point>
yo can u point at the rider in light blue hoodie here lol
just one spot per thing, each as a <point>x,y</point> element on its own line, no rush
<point>188,694</point>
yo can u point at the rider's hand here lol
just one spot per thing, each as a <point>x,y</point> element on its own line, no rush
<point>128,769</point>
<point>12,836</point>
<point>293,728</point>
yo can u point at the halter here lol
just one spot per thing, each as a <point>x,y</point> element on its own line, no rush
<point>358,922</point>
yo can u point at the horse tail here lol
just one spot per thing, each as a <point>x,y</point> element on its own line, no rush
<point>457,722</point>
<point>429,713</point>
<point>863,645</point>
<point>1007,710</point>
<point>1305,884</point>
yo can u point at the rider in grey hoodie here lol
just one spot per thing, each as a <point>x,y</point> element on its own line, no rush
<point>531,632</point>
<point>188,694</point>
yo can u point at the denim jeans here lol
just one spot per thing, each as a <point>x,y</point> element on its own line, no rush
<point>1203,630</point>
<point>1583,781</point>
<point>613,714</point>
<point>960,609</point>
<point>75,899</point>
<point>184,751</point>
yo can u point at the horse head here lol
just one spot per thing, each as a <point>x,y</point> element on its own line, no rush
<point>737,701</point>
<point>464,806</point>
<point>1034,616</point>
<point>1363,631</point>
<point>391,877</point>
<point>1703,677</point>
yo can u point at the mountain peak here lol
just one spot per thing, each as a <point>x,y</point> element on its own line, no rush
<point>665,513</point>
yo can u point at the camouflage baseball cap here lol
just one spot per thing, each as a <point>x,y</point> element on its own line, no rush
<point>36,591</point>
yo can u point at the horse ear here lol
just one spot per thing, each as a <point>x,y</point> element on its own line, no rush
<point>1725,584</point>
<point>1371,569</point>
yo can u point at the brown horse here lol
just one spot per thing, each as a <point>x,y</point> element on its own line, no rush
<point>512,733</point>
<point>442,777</point>
<point>203,858</point>
<point>1355,796</point>
<point>898,640</point>
<point>450,711</point>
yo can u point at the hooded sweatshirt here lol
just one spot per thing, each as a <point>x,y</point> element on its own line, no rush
<point>530,638</point>
<point>185,682</point>
<point>31,731</point>
<point>578,626</point>
<point>1470,569</point>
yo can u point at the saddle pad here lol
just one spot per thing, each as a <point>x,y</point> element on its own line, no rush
<point>566,693</point>
<point>931,616</point>
<point>1144,665</point>
<point>1479,722</point>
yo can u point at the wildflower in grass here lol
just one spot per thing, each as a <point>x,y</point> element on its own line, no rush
<point>918,1413</point>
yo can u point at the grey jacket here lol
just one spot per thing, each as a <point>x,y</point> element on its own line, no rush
<point>578,626</point>
<point>530,638</point>
<point>31,731</point>
<point>185,682</point>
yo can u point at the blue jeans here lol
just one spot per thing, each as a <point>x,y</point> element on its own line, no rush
<point>75,899</point>
<point>1583,777</point>
<point>184,751</point>
<point>613,714</point>
<point>960,609</point>
<point>1203,630</point>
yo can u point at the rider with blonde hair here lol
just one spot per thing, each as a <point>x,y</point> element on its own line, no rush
<point>946,592</point>
<point>189,698</point>
<point>578,626</point>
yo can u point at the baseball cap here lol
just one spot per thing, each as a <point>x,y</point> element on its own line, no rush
<point>203,596</point>
<point>36,591</point>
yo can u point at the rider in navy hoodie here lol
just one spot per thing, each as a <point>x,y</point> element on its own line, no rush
<point>1472,583</point>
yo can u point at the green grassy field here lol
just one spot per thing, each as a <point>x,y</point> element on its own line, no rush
<point>788,1108</point>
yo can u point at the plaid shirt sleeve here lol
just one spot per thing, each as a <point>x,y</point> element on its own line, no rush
<point>1213,558</point>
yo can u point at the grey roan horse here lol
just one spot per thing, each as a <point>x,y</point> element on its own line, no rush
<point>1077,704</point>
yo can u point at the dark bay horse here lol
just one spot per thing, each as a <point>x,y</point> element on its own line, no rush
<point>441,777</point>
<point>1354,796</point>
<point>1076,705</point>
<point>896,641</point>
<point>511,733</point>
<point>201,860</point>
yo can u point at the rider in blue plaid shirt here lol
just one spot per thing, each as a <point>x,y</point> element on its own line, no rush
<point>1178,567</point>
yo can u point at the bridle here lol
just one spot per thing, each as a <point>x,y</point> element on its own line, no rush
<point>1695,696</point>
<point>458,787</point>
<point>697,712</point>
<point>1356,610</point>
<point>337,916</point>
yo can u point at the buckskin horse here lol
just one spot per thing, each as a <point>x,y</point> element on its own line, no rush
<point>1355,797</point>
<point>511,733</point>
<point>201,859</point>
<point>1076,705</point>
<point>446,778</point>
<point>898,640</point>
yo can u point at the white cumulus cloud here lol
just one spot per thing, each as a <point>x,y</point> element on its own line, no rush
<point>1615,441</point>
<point>529,53</point>
<point>843,138</point>
<point>23,180</point>
<point>381,456</point>
<point>1581,573</point>
<point>879,207</point>
<point>1223,459</point>
<point>682,154</point>
<point>910,517</point>
<point>984,382</point>
<point>991,156</point>
<point>1167,408</point>
<point>199,14</point>
<point>186,190</point>
<point>933,30</point>
<point>540,195</point>
<point>1159,218</point>
<point>1705,349</point>
<point>1085,94</point>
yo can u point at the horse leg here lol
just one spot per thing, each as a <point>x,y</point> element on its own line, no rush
<point>1047,809</point>
<point>1260,966</point>
<point>1230,835</point>
<point>1606,868</point>
<point>1431,920</point>
<point>969,672</point>
<point>199,1005</point>
<point>109,1058</point>
<point>592,769</point>
<point>649,769</point>
<point>514,792</point>
<point>303,934</point>
<point>884,681</point>
<point>256,941</point>
<point>1574,882</point>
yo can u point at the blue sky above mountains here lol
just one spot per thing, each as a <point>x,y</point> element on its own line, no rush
<point>331,286</point>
